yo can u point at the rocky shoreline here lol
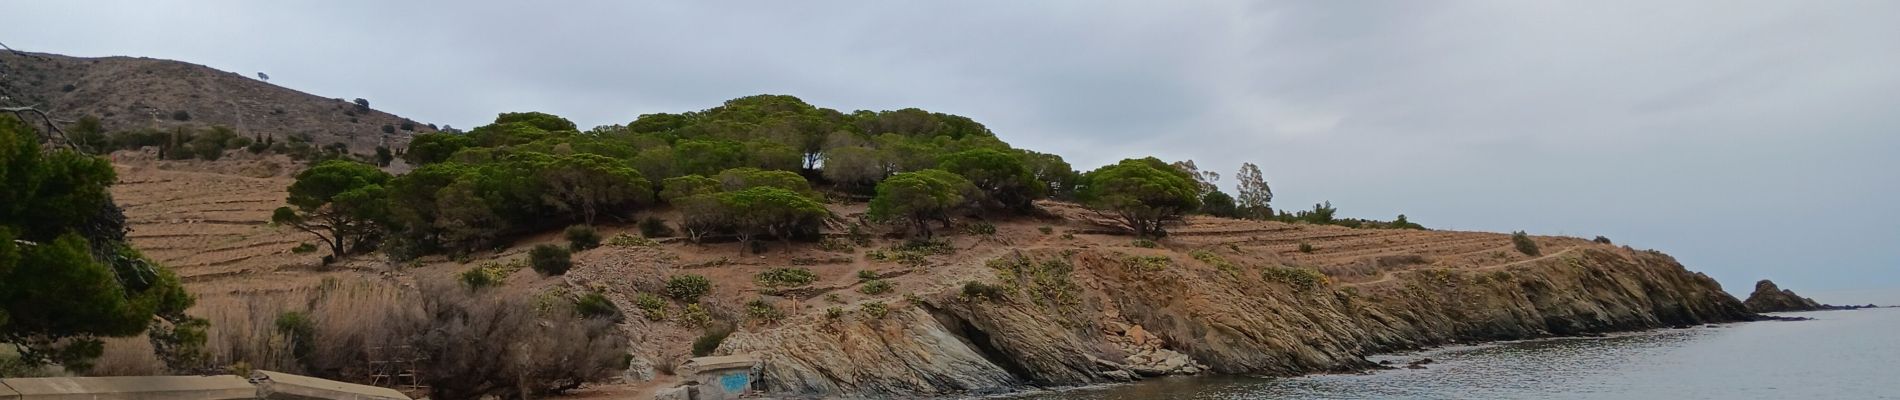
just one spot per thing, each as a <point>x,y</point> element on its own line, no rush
<point>1101,320</point>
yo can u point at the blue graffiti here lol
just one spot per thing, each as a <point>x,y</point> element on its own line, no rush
<point>735,382</point>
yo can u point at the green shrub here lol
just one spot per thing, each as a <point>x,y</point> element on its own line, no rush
<point>834,312</point>
<point>980,228</point>
<point>833,297</point>
<point>1045,229</point>
<point>1215,260</point>
<point>979,291</point>
<point>303,248</point>
<point>695,316</point>
<point>874,309</point>
<point>652,306</point>
<point>1602,240</point>
<point>550,260</point>
<point>654,227</point>
<point>595,305</point>
<point>625,240</point>
<point>1303,279</point>
<point>760,310</point>
<point>688,288</point>
<point>1147,263</point>
<point>582,237</point>
<point>481,277</point>
<point>299,331</point>
<point>835,245</point>
<point>181,115</point>
<point>875,287</point>
<point>865,275</point>
<point>1307,248</point>
<point>709,342</point>
<point>1523,243</point>
<point>1068,236</point>
<point>1145,243</point>
<point>785,277</point>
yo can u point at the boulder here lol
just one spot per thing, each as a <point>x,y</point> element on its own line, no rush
<point>1770,298</point>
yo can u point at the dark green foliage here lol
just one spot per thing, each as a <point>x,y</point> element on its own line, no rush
<point>875,287</point>
<point>480,277</point>
<point>1601,239</point>
<point>361,104</point>
<point>874,309</point>
<point>429,148</point>
<point>300,331</point>
<point>303,248</point>
<point>1002,178</point>
<point>709,342</point>
<point>181,115</point>
<point>785,277</point>
<point>652,306</point>
<point>581,237</point>
<point>1302,279</point>
<point>595,305</point>
<point>920,198</point>
<point>1143,194</point>
<point>759,211</point>
<point>688,288</point>
<point>654,227</point>
<point>389,128</point>
<point>67,275</point>
<point>543,121</point>
<point>550,260</point>
<point>1219,204</point>
<point>865,275</point>
<point>1307,248</point>
<point>1523,243</point>
<point>760,310</point>
<point>340,202</point>
<point>384,156</point>
<point>1146,244</point>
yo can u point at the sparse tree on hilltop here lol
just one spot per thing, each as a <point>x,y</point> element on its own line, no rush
<point>1141,193</point>
<point>338,201</point>
<point>1255,196</point>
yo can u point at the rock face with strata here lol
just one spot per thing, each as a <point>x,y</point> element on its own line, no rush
<point>1771,298</point>
<point>1082,316</point>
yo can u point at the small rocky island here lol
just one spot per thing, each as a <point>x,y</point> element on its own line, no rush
<point>1771,298</point>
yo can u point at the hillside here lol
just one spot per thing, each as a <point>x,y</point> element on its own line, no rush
<point>1221,295</point>
<point>129,93</point>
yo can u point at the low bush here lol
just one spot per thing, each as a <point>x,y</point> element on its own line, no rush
<point>1145,243</point>
<point>479,345</point>
<point>762,311</point>
<point>654,227</point>
<point>785,277</point>
<point>980,228</point>
<point>1522,241</point>
<point>834,312</point>
<point>875,287</point>
<point>299,333</point>
<point>1045,229</point>
<point>694,316</point>
<point>979,291</point>
<point>1307,248</point>
<point>688,287</point>
<point>625,240</point>
<point>1215,260</point>
<point>581,237</point>
<point>709,342</point>
<point>865,275</point>
<point>874,309</point>
<point>550,260</point>
<point>1602,240</point>
<point>1303,279</point>
<point>595,305</point>
<point>304,248</point>
<point>652,306</point>
<point>481,277</point>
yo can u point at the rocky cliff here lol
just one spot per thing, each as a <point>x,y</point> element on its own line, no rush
<point>1086,315</point>
<point>1771,298</point>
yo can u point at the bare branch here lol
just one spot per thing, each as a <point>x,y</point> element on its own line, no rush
<point>52,127</point>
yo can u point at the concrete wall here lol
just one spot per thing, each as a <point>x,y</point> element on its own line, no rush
<point>269,385</point>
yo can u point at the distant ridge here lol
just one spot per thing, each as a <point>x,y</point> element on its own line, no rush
<point>128,93</point>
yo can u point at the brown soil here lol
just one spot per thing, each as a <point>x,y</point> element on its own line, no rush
<point>208,222</point>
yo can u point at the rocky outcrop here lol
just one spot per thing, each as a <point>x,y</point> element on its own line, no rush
<point>1770,298</point>
<point>1081,316</point>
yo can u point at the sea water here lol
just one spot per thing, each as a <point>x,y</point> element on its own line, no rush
<point>1853,354</point>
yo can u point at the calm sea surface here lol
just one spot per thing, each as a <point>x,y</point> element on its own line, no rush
<point>1838,355</point>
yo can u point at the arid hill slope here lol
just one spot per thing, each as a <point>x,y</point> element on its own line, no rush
<point>1071,303</point>
<point>129,93</point>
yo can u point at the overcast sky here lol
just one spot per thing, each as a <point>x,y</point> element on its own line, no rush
<point>1749,139</point>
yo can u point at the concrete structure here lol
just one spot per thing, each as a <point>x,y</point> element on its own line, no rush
<point>717,378</point>
<point>263,385</point>
<point>128,388</point>
<point>281,386</point>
